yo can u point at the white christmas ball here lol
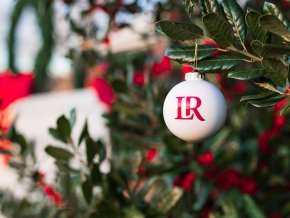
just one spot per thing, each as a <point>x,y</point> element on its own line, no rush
<point>194,109</point>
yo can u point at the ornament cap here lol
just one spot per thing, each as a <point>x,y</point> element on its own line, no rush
<point>194,76</point>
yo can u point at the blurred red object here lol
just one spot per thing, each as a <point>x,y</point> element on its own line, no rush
<point>138,78</point>
<point>248,185</point>
<point>185,181</point>
<point>228,179</point>
<point>185,68</point>
<point>5,120</point>
<point>278,123</point>
<point>206,158</point>
<point>104,90</point>
<point>49,191</point>
<point>106,41</point>
<point>5,145</point>
<point>159,68</point>
<point>151,154</point>
<point>13,87</point>
<point>217,52</point>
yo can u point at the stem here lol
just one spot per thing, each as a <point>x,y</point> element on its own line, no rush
<point>245,53</point>
<point>79,156</point>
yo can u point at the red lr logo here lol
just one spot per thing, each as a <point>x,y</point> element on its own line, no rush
<point>189,111</point>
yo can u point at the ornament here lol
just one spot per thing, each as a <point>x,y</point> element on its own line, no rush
<point>194,109</point>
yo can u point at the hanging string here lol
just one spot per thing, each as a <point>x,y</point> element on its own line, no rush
<point>195,54</point>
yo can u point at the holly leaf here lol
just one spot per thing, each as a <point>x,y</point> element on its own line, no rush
<point>72,117</point>
<point>277,71</point>
<point>91,150</point>
<point>96,174</point>
<point>248,74</point>
<point>64,128</point>
<point>268,102</point>
<point>87,189</point>
<point>273,25</point>
<point>221,62</point>
<point>202,198</point>
<point>55,134</point>
<point>257,47</point>
<point>266,84</point>
<point>84,132</point>
<point>261,96</point>
<point>270,8</point>
<point>252,208</point>
<point>257,32</point>
<point>58,153</point>
<point>212,6</point>
<point>236,18</point>
<point>103,151</point>
<point>219,28</point>
<point>180,31</point>
<point>185,54</point>
<point>274,51</point>
<point>19,139</point>
<point>119,86</point>
<point>203,7</point>
<point>189,6</point>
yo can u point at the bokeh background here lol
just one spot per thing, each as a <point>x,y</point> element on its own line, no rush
<point>103,63</point>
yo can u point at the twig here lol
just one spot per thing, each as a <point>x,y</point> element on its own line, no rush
<point>245,53</point>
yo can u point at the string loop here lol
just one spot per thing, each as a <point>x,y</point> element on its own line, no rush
<point>195,54</point>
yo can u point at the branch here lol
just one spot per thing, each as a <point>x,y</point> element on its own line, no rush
<point>245,53</point>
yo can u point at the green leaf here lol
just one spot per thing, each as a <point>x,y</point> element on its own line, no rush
<point>247,74</point>
<point>236,18</point>
<point>72,117</point>
<point>277,71</point>
<point>202,198</point>
<point>19,139</point>
<point>64,128</point>
<point>268,102</point>
<point>119,86</point>
<point>261,96</point>
<point>169,199</point>
<point>272,9</point>
<point>219,28</point>
<point>172,143</point>
<point>91,150</point>
<point>203,7</point>
<point>274,51</point>
<point>180,31</point>
<point>189,6</point>
<point>257,32</point>
<point>87,189</point>
<point>257,47</point>
<point>273,25</point>
<point>55,134</point>
<point>84,132</point>
<point>251,207</point>
<point>286,109</point>
<point>58,153</point>
<point>4,151</point>
<point>221,62</point>
<point>132,212</point>
<point>103,151</point>
<point>212,6</point>
<point>96,174</point>
<point>185,54</point>
<point>266,84</point>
